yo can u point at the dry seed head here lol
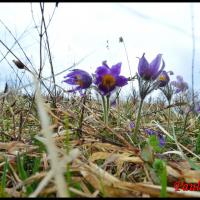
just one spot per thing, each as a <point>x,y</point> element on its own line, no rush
<point>19,64</point>
<point>121,39</point>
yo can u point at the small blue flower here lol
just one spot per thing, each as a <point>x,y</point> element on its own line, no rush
<point>132,125</point>
<point>149,131</point>
<point>158,134</point>
<point>161,139</point>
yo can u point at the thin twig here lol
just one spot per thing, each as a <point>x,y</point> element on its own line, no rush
<point>49,53</point>
<point>193,52</point>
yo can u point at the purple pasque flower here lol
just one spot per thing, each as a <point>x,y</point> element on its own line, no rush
<point>78,77</point>
<point>163,79</point>
<point>150,71</point>
<point>107,79</point>
<point>180,85</point>
<point>158,134</point>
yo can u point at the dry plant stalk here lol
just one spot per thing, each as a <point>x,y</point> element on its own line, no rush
<point>51,147</point>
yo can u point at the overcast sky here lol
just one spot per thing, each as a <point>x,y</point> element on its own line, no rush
<point>79,29</point>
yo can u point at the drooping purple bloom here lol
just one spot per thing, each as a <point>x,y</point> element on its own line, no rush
<point>180,85</point>
<point>107,79</point>
<point>150,71</point>
<point>78,77</point>
<point>163,79</point>
<point>158,134</point>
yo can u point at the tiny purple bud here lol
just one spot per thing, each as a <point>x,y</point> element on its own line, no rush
<point>132,125</point>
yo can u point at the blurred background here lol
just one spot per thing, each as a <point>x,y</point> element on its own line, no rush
<point>92,30</point>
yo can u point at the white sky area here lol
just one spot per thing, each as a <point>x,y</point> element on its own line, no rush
<point>79,29</point>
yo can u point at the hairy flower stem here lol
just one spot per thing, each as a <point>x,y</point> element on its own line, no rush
<point>108,106</point>
<point>82,114</point>
<point>138,121</point>
<point>118,111</point>
<point>105,108</point>
<point>169,115</point>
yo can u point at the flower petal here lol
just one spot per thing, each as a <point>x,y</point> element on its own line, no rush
<point>121,81</point>
<point>161,139</point>
<point>116,69</point>
<point>143,66</point>
<point>69,75</point>
<point>74,73</point>
<point>97,80</point>
<point>70,81</point>
<point>102,70</point>
<point>155,76</point>
<point>105,90</point>
<point>149,131</point>
<point>155,64</point>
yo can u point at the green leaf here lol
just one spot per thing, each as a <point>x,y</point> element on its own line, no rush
<point>160,169</point>
<point>5,169</point>
<point>154,142</point>
<point>22,173</point>
<point>193,165</point>
<point>20,167</point>
<point>198,144</point>
<point>147,154</point>
<point>3,179</point>
<point>36,165</point>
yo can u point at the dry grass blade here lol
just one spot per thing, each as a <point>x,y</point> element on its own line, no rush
<point>42,184</point>
<point>119,159</point>
<point>113,187</point>
<point>154,190</point>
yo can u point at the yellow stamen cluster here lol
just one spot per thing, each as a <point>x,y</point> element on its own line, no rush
<point>162,78</point>
<point>108,81</point>
<point>79,81</point>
